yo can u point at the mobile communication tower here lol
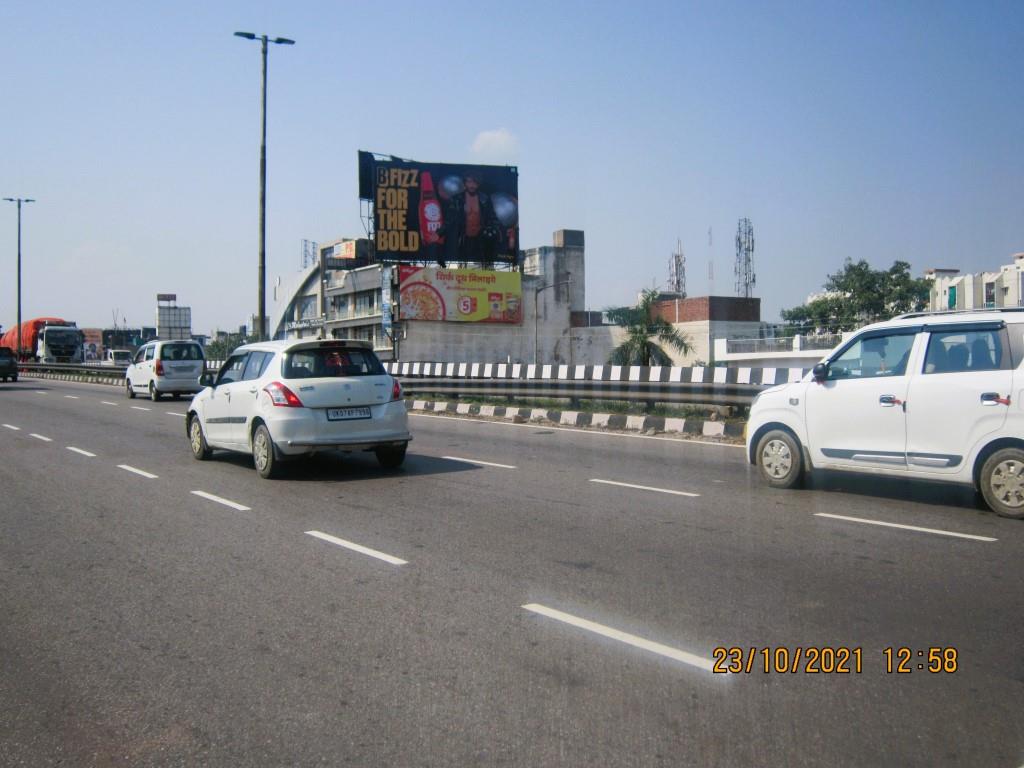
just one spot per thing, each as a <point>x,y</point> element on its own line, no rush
<point>677,271</point>
<point>745,278</point>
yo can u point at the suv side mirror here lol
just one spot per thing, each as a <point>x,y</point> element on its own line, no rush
<point>820,372</point>
<point>206,380</point>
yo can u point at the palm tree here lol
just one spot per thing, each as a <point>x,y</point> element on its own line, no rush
<point>646,336</point>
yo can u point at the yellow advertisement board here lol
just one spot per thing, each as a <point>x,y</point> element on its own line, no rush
<point>460,295</point>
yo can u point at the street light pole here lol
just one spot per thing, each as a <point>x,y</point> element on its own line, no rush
<point>262,302</point>
<point>19,201</point>
<point>536,312</point>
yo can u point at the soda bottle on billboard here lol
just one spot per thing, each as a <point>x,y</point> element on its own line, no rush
<point>431,216</point>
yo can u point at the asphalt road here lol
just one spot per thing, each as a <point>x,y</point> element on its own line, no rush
<point>547,597</point>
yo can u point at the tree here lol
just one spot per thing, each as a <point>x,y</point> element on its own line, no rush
<point>225,344</point>
<point>858,294</point>
<point>646,336</point>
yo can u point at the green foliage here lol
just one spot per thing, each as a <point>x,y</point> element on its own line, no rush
<point>858,294</point>
<point>646,336</point>
<point>221,347</point>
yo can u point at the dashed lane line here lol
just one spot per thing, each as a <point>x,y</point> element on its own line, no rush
<point>645,488</point>
<point>174,413</point>
<point>44,438</point>
<point>623,637</point>
<point>11,426</point>
<point>478,461</point>
<point>72,397</point>
<point>219,500</point>
<point>357,548</point>
<point>137,471</point>
<point>81,452</point>
<point>935,531</point>
<point>107,402</point>
<point>140,408</point>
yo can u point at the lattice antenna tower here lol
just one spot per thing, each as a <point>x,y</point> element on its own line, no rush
<point>310,253</point>
<point>677,271</point>
<point>745,277</point>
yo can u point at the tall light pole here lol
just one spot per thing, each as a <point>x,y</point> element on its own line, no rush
<point>19,201</point>
<point>264,39</point>
<point>536,313</point>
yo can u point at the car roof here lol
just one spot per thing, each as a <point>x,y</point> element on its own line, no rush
<point>288,345</point>
<point>1008,315</point>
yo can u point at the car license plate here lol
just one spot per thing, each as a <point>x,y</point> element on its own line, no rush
<point>337,414</point>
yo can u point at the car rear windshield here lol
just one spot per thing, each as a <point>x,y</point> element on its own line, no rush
<point>181,352</point>
<point>327,362</point>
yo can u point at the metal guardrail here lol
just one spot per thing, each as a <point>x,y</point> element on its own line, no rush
<point>710,386</point>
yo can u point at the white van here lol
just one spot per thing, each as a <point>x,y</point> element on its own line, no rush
<point>165,368</point>
<point>931,396</point>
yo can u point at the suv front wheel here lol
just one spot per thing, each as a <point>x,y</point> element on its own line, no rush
<point>1002,482</point>
<point>779,459</point>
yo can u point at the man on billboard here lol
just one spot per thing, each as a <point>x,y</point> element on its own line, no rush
<point>471,228</point>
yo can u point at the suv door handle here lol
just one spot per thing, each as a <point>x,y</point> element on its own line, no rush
<point>888,401</point>
<point>993,398</point>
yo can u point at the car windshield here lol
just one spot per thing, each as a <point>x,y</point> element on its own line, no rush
<point>122,357</point>
<point>324,362</point>
<point>63,337</point>
<point>181,352</point>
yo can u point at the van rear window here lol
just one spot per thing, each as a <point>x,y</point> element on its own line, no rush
<point>181,352</point>
<point>326,363</point>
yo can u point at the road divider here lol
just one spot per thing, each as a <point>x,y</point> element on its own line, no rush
<point>675,654</point>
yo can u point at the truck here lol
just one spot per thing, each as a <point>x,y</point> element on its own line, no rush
<point>118,357</point>
<point>47,340</point>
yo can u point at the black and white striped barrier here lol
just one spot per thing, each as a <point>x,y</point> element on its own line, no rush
<point>703,385</point>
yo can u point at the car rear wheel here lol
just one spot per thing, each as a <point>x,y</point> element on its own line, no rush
<point>197,440</point>
<point>154,393</point>
<point>1002,482</point>
<point>128,389</point>
<point>779,459</point>
<point>391,458</point>
<point>267,464</point>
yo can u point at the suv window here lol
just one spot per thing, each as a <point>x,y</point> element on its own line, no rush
<point>873,355</point>
<point>185,351</point>
<point>232,370</point>
<point>149,352</point>
<point>257,364</point>
<point>964,351</point>
<point>324,362</point>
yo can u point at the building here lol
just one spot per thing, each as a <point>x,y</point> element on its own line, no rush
<point>343,298</point>
<point>983,290</point>
<point>703,319</point>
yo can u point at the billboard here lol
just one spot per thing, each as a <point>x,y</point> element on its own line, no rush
<point>441,212</point>
<point>459,295</point>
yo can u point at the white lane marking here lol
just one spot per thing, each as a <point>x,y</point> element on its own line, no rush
<point>225,502</point>
<point>80,451</point>
<point>44,438</point>
<point>39,392</point>
<point>71,397</point>
<point>477,461</point>
<point>357,548</point>
<point>906,527</point>
<point>623,637</point>
<point>11,426</point>
<point>142,472</point>
<point>645,488</point>
<point>107,402</point>
<point>140,408</point>
<point>174,413</point>
<point>576,429</point>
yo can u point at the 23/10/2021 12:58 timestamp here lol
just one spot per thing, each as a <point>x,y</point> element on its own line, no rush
<point>830,660</point>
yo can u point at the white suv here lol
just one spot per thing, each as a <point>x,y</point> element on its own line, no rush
<point>165,368</point>
<point>279,399</point>
<point>933,396</point>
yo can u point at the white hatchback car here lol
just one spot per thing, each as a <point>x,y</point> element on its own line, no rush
<point>932,396</point>
<point>280,399</point>
<point>165,368</point>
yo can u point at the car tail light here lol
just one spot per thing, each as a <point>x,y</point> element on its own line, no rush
<point>159,367</point>
<point>281,395</point>
<point>396,390</point>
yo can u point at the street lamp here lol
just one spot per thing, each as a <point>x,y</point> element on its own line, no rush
<point>19,201</point>
<point>264,39</point>
<point>536,311</point>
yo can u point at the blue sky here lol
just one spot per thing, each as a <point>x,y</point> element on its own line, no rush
<point>842,130</point>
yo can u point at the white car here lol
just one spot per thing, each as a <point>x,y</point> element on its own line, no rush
<point>932,396</point>
<point>165,368</point>
<point>280,399</point>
